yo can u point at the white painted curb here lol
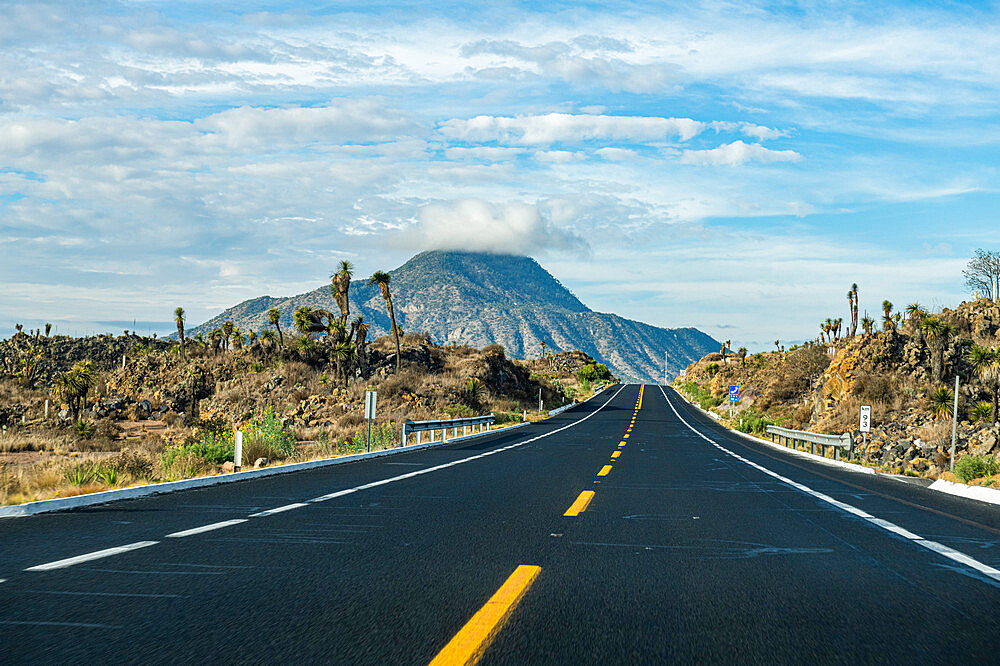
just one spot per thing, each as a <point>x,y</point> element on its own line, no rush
<point>981,493</point>
<point>861,469</point>
<point>63,503</point>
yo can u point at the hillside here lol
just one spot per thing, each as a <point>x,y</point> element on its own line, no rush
<point>479,299</point>
<point>906,374</point>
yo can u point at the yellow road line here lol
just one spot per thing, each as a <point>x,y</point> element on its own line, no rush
<point>615,454</point>
<point>604,470</point>
<point>581,503</point>
<point>641,389</point>
<point>626,436</point>
<point>471,641</point>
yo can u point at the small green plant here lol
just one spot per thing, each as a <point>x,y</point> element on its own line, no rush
<point>80,475</point>
<point>257,367</point>
<point>108,474</point>
<point>982,413</point>
<point>593,372</point>
<point>458,411</point>
<point>975,467</point>
<point>83,429</point>
<point>753,421</point>
<point>942,402</point>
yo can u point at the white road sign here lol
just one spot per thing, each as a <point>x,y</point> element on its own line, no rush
<point>370,404</point>
<point>866,418</point>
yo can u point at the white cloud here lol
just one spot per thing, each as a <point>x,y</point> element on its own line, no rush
<point>481,226</point>
<point>485,153</point>
<point>543,130</point>
<point>559,156</point>
<point>616,154</point>
<point>737,153</point>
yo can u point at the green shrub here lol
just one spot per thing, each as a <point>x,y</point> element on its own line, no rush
<point>83,429</point>
<point>267,437</point>
<point>753,421</point>
<point>975,467</point>
<point>710,401</point>
<point>80,475</point>
<point>458,411</point>
<point>384,436</point>
<point>508,417</point>
<point>593,372</point>
<point>982,412</point>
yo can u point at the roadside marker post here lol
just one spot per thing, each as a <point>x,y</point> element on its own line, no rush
<point>954,425</point>
<point>734,396</point>
<point>238,453</point>
<point>370,414</point>
<point>865,426</point>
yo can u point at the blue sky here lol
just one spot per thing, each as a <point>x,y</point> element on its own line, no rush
<point>731,166</point>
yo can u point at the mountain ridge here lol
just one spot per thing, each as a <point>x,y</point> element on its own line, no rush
<point>480,299</point>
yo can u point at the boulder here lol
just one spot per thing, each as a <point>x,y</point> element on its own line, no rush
<point>228,467</point>
<point>987,442</point>
<point>260,462</point>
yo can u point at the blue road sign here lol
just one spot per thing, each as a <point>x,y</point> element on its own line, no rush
<point>734,393</point>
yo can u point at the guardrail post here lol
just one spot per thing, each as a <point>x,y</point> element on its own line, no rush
<point>812,448</point>
<point>463,431</point>
<point>418,437</point>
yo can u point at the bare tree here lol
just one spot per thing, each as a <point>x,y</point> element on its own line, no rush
<point>982,273</point>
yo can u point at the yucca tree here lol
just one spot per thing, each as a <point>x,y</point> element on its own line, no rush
<point>382,279</point>
<point>73,386</point>
<point>852,298</point>
<point>216,337</point>
<point>942,402</point>
<point>888,323</point>
<point>742,351</point>
<point>227,332</point>
<point>986,363</point>
<point>340,287</point>
<point>360,328</point>
<point>981,413</point>
<point>937,334</point>
<point>179,320</point>
<point>48,329</point>
<point>238,339</point>
<point>274,319</point>
<point>267,339</point>
<point>915,311</point>
<point>868,324</point>
<point>341,354</point>
<point>338,331</point>
<point>837,324</point>
<point>822,332</point>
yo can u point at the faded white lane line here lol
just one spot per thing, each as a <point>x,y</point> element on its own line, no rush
<point>207,528</point>
<point>939,548</point>
<point>280,509</point>
<point>107,552</point>
<point>85,625</point>
<point>410,475</point>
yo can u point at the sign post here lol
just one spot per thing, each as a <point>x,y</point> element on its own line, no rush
<point>865,426</point>
<point>734,397</point>
<point>370,413</point>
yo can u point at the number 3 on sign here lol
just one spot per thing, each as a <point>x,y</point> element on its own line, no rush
<point>866,418</point>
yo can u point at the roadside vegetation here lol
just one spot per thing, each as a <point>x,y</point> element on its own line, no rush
<point>169,410</point>
<point>902,362</point>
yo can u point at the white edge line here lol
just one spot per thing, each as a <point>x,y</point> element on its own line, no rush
<point>135,492</point>
<point>980,493</point>
<point>206,528</point>
<point>68,562</point>
<point>941,549</point>
<point>428,470</point>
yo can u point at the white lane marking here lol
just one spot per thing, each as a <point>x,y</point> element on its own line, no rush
<point>3,580</point>
<point>280,509</point>
<point>409,475</point>
<point>85,625</point>
<point>207,528</point>
<point>941,549</point>
<point>107,552</point>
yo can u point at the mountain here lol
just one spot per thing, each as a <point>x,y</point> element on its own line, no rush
<point>480,299</point>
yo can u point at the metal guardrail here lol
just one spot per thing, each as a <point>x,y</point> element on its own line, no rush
<point>792,437</point>
<point>443,425</point>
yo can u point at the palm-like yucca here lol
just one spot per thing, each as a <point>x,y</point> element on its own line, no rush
<point>888,323</point>
<point>742,351</point>
<point>475,391</point>
<point>238,338</point>
<point>73,386</point>
<point>341,287</point>
<point>852,297</point>
<point>982,412</point>
<point>267,337</point>
<point>227,332</point>
<point>216,337</point>
<point>341,354</point>
<point>274,318</point>
<point>360,328</point>
<point>942,401</point>
<point>382,279</point>
<point>179,320</point>
<point>986,363</point>
<point>915,311</point>
<point>338,331</point>
<point>302,320</point>
<point>868,324</point>
<point>937,333</point>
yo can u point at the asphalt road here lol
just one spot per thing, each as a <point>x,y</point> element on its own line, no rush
<point>697,545</point>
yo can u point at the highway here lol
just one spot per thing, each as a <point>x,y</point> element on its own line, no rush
<point>630,529</point>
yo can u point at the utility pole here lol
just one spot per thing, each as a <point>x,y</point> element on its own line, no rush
<point>954,425</point>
